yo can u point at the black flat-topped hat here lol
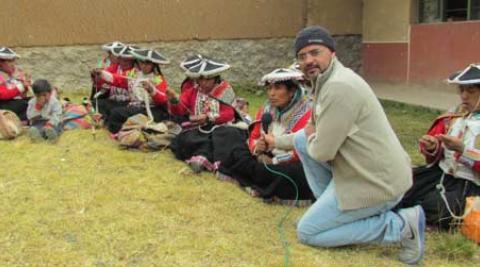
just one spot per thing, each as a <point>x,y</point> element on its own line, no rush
<point>7,53</point>
<point>151,55</point>
<point>470,75</point>
<point>190,62</point>
<point>125,51</point>
<point>207,68</point>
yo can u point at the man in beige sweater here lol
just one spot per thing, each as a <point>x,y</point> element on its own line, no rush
<point>354,163</point>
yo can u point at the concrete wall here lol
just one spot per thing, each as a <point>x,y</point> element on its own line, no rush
<point>75,22</point>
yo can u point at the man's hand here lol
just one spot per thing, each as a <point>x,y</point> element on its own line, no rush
<point>309,130</point>
<point>429,142</point>
<point>451,142</point>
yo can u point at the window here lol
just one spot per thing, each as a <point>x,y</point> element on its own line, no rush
<point>448,10</point>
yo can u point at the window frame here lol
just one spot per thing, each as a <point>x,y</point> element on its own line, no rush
<point>441,14</point>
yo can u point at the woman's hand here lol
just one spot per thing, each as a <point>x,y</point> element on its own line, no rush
<point>265,159</point>
<point>199,119</point>
<point>451,142</point>
<point>269,140</point>
<point>149,87</point>
<point>429,142</point>
<point>27,82</point>
<point>171,94</point>
<point>261,146</point>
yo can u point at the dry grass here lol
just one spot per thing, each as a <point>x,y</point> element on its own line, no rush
<point>85,202</point>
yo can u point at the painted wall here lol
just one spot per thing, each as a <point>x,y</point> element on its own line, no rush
<point>340,17</point>
<point>75,22</point>
<point>386,20</point>
<point>437,50</point>
<point>385,61</point>
<point>385,39</point>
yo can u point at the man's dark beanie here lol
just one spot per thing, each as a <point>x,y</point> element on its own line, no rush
<point>314,35</point>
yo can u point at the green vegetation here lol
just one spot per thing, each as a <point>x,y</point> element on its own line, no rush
<point>83,201</point>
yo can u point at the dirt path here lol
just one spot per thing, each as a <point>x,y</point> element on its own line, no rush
<point>439,96</point>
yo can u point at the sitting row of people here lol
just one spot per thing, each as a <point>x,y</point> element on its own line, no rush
<point>214,132</point>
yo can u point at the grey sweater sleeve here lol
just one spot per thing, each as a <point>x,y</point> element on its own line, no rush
<point>31,110</point>
<point>55,113</point>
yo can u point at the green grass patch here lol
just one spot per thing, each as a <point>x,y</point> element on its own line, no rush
<point>83,201</point>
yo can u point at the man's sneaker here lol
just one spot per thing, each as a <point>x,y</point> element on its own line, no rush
<point>34,134</point>
<point>51,135</point>
<point>413,235</point>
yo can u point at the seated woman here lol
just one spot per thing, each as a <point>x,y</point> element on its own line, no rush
<point>189,62</point>
<point>208,103</point>
<point>452,152</point>
<point>117,96</point>
<point>14,84</point>
<point>108,62</point>
<point>146,87</point>
<point>256,165</point>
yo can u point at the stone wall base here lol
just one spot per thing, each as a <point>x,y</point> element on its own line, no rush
<point>68,67</point>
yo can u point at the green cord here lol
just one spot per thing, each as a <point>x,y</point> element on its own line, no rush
<point>280,225</point>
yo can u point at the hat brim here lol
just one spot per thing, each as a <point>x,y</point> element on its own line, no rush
<point>280,75</point>
<point>468,76</point>
<point>207,69</point>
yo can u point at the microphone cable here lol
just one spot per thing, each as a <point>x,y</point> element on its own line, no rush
<point>281,222</point>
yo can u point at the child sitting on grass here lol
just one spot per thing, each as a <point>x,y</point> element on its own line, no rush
<point>44,113</point>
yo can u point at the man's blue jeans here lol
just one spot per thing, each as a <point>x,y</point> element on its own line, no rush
<point>325,225</point>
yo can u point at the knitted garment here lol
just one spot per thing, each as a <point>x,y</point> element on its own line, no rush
<point>210,103</point>
<point>136,90</point>
<point>290,115</point>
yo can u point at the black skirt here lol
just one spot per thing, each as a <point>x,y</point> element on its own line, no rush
<point>18,106</point>
<point>268,180</point>
<point>425,192</point>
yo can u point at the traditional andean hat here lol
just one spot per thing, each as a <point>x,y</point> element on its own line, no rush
<point>110,46</point>
<point>7,53</point>
<point>281,74</point>
<point>125,51</point>
<point>207,68</point>
<point>191,61</point>
<point>149,55</point>
<point>470,75</point>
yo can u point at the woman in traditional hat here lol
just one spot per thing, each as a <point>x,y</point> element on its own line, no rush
<point>109,61</point>
<point>14,84</point>
<point>146,86</point>
<point>285,112</point>
<point>452,153</point>
<point>208,103</point>
<point>117,96</point>
<point>190,79</point>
